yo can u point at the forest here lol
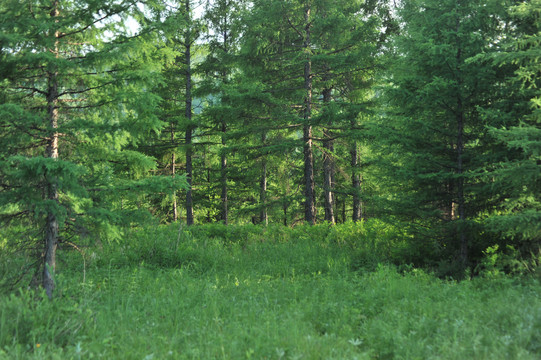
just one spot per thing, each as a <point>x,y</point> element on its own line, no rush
<point>270,179</point>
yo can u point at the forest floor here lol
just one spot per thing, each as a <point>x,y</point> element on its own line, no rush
<point>161,295</point>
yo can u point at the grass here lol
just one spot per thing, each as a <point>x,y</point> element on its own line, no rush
<point>251,293</point>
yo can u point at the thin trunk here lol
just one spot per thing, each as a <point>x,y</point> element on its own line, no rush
<point>209,187</point>
<point>356,182</point>
<point>223,159</point>
<point>460,186</point>
<point>328,167</point>
<point>173,165</point>
<point>344,217</point>
<point>189,169</point>
<point>223,177</point>
<point>309,207</point>
<point>51,225</point>
<point>460,117</point>
<point>263,218</point>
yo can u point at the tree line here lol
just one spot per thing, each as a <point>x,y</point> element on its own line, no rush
<point>424,113</point>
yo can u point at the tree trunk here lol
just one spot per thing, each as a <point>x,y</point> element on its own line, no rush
<point>263,218</point>
<point>356,182</point>
<point>309,207</point>
<point>460,186</point>
<point>51,225</point>
<point>328,167</point>
<point>189,169</point>
<point>223,178</point>
<point>173,165</point>
<point>460,118</point>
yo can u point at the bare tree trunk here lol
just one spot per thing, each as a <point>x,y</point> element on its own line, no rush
<point>263,185</point>
<point>328,167</point>
<point>460,117</point>
<point>223,159</point>
<point>189,168</point>
<point>356,182</point>
<point>309,208</point>
<point>51,225</point>
<point>460,186</point>
<point>173,166</point>
<point>223,178</point>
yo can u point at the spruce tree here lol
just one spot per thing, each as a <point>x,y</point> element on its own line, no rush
<point>437,134</point>
<point>516,179</point>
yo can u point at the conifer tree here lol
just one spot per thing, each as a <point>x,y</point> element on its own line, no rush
<point>437,133</point>
<point>223,20</point>
<point>71,103</point>
<point>516,179</point>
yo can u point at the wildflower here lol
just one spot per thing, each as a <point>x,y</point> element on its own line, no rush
<point>38,345</point>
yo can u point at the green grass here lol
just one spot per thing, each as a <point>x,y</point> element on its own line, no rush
<point>250,293</point>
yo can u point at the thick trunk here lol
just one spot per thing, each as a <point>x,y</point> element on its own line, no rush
<point>189,169</point>
<point>223,178</point>
<point>309,192</point>
<point>263,217</point>
<point>356,182</point>
<point>51,225</point>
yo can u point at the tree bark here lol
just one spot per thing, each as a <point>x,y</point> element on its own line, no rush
<point>460,118</point>
<point>189,169</point>
<point>309,207</point>
<point>328,167</point>
<point>223,177</point>
<point>223,157</point>
<point>173,166</point>
<point>51,225</point>
<point>356,182</point>
<point>263,218</point>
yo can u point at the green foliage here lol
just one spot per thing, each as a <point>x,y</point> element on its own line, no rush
<point>433,134</point>
<point>255,292</point>
<point>517,177</point>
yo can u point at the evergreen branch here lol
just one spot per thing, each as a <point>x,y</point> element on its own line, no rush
<point>73,92</point>
<point>33,89</point>
<point>88,26</point>
<point>88,106</point>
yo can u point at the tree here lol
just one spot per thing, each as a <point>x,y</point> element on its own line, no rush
<point>516,178</point>
<point>437,134</point>
<point>72,103</point>
<point>223,18</point>
<point>308,57</point>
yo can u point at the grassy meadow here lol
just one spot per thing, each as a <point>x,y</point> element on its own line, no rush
<point>247,292</point>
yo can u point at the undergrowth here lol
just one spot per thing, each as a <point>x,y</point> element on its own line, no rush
<point>250,292</point>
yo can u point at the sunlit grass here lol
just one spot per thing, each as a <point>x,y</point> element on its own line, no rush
<point>213,298</point>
